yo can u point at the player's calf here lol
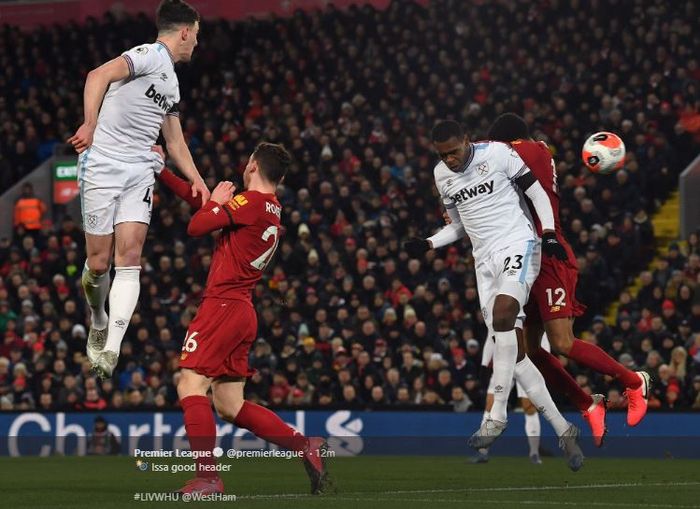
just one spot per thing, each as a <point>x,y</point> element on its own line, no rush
<point>263,423</point>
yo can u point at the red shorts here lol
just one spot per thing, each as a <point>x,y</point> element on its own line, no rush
<point>554,293</point>
<point>219,338</point>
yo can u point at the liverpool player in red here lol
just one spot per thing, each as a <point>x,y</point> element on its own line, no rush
<point>215,351</point>
<point>553,304</point>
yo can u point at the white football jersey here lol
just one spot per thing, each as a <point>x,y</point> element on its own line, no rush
<point>492,210</point>
<point>134,109</point>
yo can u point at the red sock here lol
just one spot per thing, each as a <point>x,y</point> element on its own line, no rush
<point>556,376</point>
<point>267,425</point>
<point>201,432</point>
<point>594,357</point>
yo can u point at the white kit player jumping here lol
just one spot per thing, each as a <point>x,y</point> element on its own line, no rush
<point>136,95</point>
<point>477,183</point>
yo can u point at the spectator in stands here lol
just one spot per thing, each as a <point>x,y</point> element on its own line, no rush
<point>29,210</point>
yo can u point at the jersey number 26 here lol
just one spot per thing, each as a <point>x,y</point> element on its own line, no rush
<point>261,261</point>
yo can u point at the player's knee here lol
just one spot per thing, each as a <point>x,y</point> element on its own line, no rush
<point>562,343</point>
<point>505,312</point>
<point>229,412</point>
<point>191,384</point>
<point>98,264</point>
<point>226,414</point>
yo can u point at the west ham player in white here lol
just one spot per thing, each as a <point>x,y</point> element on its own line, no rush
<point>477,183</point>
<point>127,102</point>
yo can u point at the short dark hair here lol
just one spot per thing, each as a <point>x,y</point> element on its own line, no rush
<point>446,129</point>
<point>509,127</point>
<point>172,13</point>
<point>273,161</point>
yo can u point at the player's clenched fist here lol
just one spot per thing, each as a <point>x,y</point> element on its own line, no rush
<point>82,138</point>
<point>223,192</point>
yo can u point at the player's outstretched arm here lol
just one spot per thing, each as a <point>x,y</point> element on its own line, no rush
<point>214,214</point>
<point>96,85</point>
<point>180,153</point>
<point>451,232</point>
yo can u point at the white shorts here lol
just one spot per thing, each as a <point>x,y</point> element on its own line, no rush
<point>488,345</point>
<point>508,271</point>
<point>114,192</point>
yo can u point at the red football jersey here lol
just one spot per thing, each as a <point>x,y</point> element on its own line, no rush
<point>537,157</point>
<point>251,222</point>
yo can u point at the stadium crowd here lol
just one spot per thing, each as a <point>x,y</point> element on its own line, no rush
<point>345,318</point>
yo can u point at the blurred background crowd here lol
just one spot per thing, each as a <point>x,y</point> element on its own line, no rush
<point>346,319</point>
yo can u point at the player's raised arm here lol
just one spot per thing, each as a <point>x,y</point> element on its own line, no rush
<point>96,84</point>
<point>215,213</point>
<point>180,153</point>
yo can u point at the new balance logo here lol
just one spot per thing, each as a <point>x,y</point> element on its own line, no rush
<point>471,192</point>
<point>159,99</point>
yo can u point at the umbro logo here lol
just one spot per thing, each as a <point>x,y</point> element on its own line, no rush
<point>163,76</point>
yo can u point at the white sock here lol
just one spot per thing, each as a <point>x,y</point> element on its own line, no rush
<point>505,353</point>
<point>532,430</point>
<point>96,288</point>
<point>122,302</point>
<point>533,383</point>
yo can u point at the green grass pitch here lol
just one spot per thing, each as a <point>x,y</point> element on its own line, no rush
<point>361,482</point>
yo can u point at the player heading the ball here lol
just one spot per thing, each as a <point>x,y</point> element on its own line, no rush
<point>128,101</point>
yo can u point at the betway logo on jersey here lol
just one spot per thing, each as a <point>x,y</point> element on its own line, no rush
<point>159,99</point>
<point>471,192</point>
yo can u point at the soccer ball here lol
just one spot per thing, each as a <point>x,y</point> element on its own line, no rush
<point>603,153</point>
